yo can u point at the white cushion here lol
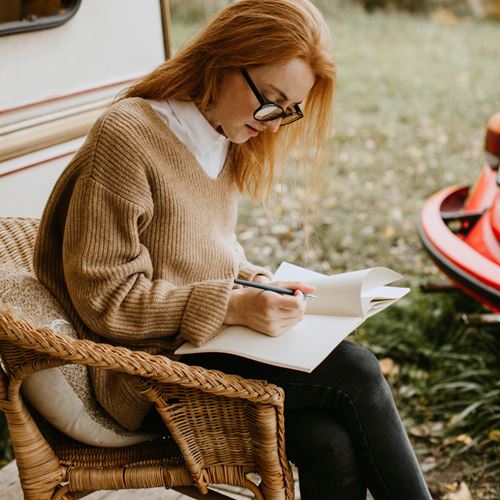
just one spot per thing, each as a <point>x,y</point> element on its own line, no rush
<point>62,395</point>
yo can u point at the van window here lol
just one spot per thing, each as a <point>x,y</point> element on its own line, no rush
<point>17,16</point>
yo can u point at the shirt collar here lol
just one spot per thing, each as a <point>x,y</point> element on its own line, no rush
<point>198,129</point>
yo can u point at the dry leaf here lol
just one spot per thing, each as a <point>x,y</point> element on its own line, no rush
<point>445,16</point>
<point>494,435</point>
<point>463,493</point>
<point>389,232</point>
<point>451,486</point>
<point>464,438</point>
<point>429,464</point>
<point>420,430</point>
<point>388,367</point>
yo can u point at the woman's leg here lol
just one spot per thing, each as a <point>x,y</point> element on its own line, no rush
<point>350,386</point>
<point>353,388</point>
<point>323,452</point>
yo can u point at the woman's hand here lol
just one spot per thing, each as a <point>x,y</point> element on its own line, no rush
<point>261,278</point>
<point>267,312</point>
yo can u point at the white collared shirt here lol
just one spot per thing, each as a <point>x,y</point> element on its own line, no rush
<point>190,126</point>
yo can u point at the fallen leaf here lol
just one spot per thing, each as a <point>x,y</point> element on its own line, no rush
<point>420,430</point>
<point>454,420</point>
<point>407,391</point>
<point>388,367</point>
<point>429,464</point>
<point>437,427</point>
<point>389,232</point>
<point>463,493</point>
<point>464,438</point>
<point>494,435</point>
<point>445,16</point>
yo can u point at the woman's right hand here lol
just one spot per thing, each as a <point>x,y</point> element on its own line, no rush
<point>267,312</point>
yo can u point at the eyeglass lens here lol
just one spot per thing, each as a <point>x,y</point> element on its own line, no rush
<point>268,110</point>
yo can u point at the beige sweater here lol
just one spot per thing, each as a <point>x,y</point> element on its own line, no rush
<point>137,243</point>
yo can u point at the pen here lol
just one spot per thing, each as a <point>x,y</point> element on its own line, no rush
<point>271,288</point>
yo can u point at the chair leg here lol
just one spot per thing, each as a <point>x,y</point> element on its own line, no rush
<point>192,492</point>
<point>39,469</point>
<point>255,490</point>
<point>62,493</point>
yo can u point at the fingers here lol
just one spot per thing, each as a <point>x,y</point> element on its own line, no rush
<point>290,303</point>
<point>295,285</point>
<point>260,278</point>
<point>277,328</point>
<point>264,311</point>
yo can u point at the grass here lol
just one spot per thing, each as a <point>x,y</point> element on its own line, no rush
<point>413,96</point>
<point>447,386</point>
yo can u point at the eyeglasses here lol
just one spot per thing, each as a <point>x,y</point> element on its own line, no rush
<point>267,110</point>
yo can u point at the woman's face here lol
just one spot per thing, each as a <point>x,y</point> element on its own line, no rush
<point>285,83</point>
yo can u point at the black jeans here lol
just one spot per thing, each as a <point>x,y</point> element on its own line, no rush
<point>343,431</point>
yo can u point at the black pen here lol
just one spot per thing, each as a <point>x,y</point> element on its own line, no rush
<point>271,288</point>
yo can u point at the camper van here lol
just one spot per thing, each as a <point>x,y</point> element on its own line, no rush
<point>61,63</point>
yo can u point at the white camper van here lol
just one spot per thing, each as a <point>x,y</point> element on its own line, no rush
<point>61,63</point>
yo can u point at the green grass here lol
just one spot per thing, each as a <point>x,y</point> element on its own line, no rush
<point>446,382</point>
<point>413,97</point>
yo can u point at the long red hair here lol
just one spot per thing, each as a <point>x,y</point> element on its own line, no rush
<point>251,33</point>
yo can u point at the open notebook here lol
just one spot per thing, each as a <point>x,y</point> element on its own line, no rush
<point>345,301</point>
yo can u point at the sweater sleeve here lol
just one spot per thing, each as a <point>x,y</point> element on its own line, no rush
<point>249,271</point>
<point>108,273</point>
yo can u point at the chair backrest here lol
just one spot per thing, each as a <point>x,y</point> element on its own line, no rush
<point>17,240</point>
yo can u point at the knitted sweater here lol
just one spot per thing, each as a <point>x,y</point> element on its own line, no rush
<point>137,243</point>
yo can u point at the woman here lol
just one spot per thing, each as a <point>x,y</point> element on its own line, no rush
<point>137,239</point>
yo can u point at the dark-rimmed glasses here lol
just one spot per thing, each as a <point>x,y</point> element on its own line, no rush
<point>268,111</point>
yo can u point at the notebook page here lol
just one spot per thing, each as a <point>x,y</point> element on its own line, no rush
<point>373,294</point>
<point>374,305</point>
<point>339,294</point>
<point>382,293</point>
<point>379,276</point>
<point>302,347</point>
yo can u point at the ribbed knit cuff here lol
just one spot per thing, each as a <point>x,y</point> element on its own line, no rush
<point>249,271</point>
<point>205,311</point>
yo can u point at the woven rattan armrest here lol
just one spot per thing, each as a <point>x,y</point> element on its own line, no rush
<point>152,367</point>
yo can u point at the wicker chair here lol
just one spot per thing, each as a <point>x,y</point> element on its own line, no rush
<point>220,427</point>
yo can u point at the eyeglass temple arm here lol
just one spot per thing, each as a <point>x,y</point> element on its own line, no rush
<point>258,95</point>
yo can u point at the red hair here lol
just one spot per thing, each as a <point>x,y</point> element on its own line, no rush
<point>252,33</point>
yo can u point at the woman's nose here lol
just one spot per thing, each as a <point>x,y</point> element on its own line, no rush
<point>274,125</point>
